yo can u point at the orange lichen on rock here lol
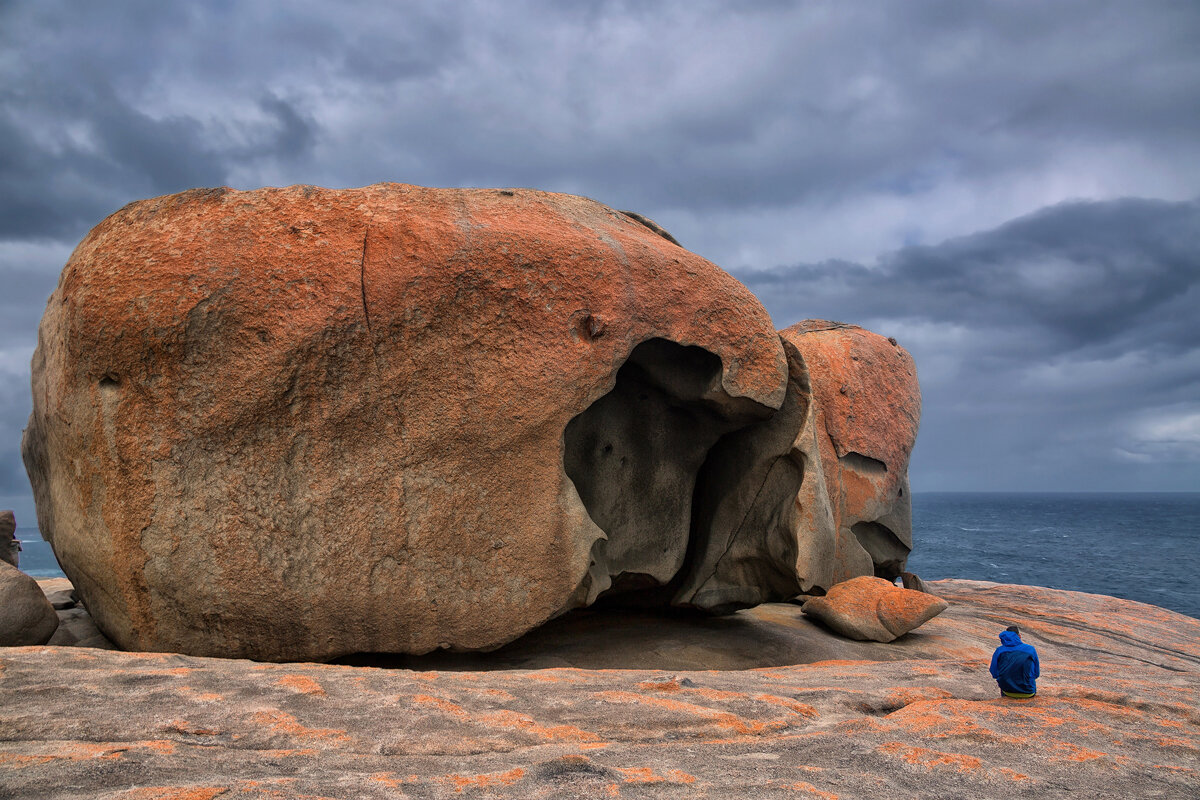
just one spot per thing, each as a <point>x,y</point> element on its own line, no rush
<point>301,683</point>
<point>69,751</point>
<point>1012,774</point>
<point>514,720</point>
<point>720,719</point>
<point>648,775</point>
<point>1113,726</point>
<point>721,695</point>
<point>201,696</point>
<point>485,781</point>
<point>509,720</point>
<point>283,723</point>
<point>809,789</point>
<point>925,757</point>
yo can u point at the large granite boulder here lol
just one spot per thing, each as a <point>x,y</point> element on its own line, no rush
<point>26,616</point>
<point>299,423</point>
<point>817,493</point>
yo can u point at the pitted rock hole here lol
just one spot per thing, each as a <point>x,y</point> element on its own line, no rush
<point>635,453</point>
<point>863,464</point>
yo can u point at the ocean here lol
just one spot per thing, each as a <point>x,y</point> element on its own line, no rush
<point>1138,546</point>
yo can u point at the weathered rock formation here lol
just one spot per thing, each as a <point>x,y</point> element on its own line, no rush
<point>872,609</point>
<point>866,409</point>
<point>1115,717</point>
<point>10,548</point>
<point>26,616</point>
<point>414,418</point>
<point>818,493</point>
<point>420,418</point>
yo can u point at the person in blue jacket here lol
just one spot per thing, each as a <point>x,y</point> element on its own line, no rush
<point>1015,665</point>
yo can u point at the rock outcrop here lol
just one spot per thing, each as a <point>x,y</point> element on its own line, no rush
<point>413,418</point>
<point>26,616</point>
<point>1115,717</point>
<point>10,548</point>
<point>873,609</point>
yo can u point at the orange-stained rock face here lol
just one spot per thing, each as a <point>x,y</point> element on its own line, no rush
<point>866,407</point>
<point>872,609</point>
<point>294,423</point>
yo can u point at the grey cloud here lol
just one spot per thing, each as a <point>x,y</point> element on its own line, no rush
<point>1086,276</point>
<point>759,134</point>
<point>1047,347</point>
<point>706,107</point>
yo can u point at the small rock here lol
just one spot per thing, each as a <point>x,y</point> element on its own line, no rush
<point>76,629</point>
<point>913,581</point>
<point>62,600</point>
<point>873,609</point>
<point>26,616</point>
<point>75,625</point>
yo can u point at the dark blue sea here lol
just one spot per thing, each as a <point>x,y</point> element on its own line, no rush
<point>1139,546</point>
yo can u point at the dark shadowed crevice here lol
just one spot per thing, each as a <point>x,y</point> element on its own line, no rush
<point>652,225</point>
<point>744,548</point>
<point>885,548</point>
<point>863,464</point>
<point>635,453</point>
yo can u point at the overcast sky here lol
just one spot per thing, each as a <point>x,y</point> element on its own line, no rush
<point>1008,188</point>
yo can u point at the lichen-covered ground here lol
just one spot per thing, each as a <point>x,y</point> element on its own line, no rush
<point>1116,716</point>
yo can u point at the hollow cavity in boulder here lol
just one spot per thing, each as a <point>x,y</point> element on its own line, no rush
<point>635,453</point>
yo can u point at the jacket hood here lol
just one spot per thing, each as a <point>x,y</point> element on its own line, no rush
<point>1009,638</point>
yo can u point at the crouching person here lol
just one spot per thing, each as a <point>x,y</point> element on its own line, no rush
<point>1015,665</point>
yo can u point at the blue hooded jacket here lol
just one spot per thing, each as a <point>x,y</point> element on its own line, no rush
<point>1015,665</point>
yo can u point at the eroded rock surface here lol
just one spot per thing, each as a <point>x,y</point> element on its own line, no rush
<point>873,609</point>
<point>298,423</point>
<point>26,616</point>
<point>1115,717</point>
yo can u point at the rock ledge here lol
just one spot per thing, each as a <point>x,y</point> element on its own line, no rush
<point>1116,717</point>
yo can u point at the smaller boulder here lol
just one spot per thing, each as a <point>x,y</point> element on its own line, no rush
<point>59,592</point>
<point>26,616</point>
<point>913,581</point>
<point>76,629</point>
<point>9,546</point>
<point>873,609</point>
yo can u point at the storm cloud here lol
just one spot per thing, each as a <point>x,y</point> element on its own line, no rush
<point>1009,188</point>
<point>1060,350</point>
